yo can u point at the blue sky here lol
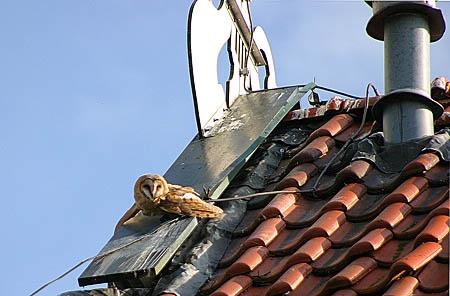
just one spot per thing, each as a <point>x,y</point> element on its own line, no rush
<point>95,93</point>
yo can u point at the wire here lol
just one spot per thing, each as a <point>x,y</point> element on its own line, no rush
<point>246,71</point>
<point>102,256</point>
<point>349,141</point>
<point>313,190</point>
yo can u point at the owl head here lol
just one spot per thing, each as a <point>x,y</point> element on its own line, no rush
<point>151,187</point>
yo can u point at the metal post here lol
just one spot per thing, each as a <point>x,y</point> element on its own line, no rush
<point>406,27</point>
<point>407,66</point>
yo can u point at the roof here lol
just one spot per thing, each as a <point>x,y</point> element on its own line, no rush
<point>370,229</point>
<point>367,232</point>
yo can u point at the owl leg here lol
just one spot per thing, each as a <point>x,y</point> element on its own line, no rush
<point>127,216</point>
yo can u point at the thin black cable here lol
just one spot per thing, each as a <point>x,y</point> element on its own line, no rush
<point>313,190</point>
<point>101,256</point>
<point>336,92</point>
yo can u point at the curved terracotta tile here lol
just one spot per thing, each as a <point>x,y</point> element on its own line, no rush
<point>392,251</point>
<point>327,224</point>
<point>413,224</point>
<point>368,206</point>
<point>434,277</point>
<point>249,222</point>
<point>290,240</point>
<point>304,212</point>
<point>379,182</point>
<point>443,255</point>
<point>265,233</point>
<point>438,175</point>
<point>331,261</point>
<point>409,227</point>
<point>351,273</point>
<point>287,242</point>
<point>348,234</point>
<point>435,230</point>
<point>290,280</point>
<point>314,150</point>
<point>390,216</point>
<point>354,172</point>
<point>420,256</point>
<point>346,198</point>
<point>233,251</point>
<point>322,162</point>
<point>247,262</point>
<point>280,204</point>
<point>346,292</point>
<point>366,284</point>
<point>429,199</point>
<point>252,291</point>
<point>371,241</point>
<point>412,262</point>
<point>233,286</point>
<point>298,176</point>
<point>422,163</point>
<point>348,132</point>
<point>325,187</point>
<point>337,258</point>
<point>408,190</point>
<point>273,267</point>
<point>403,287</point>
<point>419,292</point>
<point>333,126</point>
<point>311,286</point>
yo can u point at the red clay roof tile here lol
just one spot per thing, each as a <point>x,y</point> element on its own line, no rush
<point>248,261</point>
<point>435,230</point>
<point>348,132</point>
<point>233,286</point>
<point>280,204</point>
<point>408,190</point>
<point>365,231</point>
<point>334,126</point>
<point>403,287</point>
<point>421,164</point>
<point>443,255</point>
<point>420,256</point>
<point>438,175</point>
<point>346,198</point>
<point>346,292</point>
<point>354,172</point>
<point>434,277</point>
<point>265,233</point>
<point>429,199</point>
<point>298,176</point>
<point>352,273</point>
<point>314,150</point>
<point>371,279</point>
<point>290,280</point>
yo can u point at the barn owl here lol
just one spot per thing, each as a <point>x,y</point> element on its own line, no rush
<point>153,195</point>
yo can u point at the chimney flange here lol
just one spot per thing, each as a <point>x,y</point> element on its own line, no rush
<point>384,9</point>
<point>407,94</point>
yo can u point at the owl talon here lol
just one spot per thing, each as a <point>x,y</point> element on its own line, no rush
<point>206,191</point>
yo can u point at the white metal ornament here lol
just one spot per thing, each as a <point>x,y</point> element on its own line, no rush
<point>209,28</point>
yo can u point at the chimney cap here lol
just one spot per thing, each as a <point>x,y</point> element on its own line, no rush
<point>375,26</point>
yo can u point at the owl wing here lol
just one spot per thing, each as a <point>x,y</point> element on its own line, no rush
<point>189,204</point>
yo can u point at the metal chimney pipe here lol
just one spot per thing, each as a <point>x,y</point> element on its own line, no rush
<point>407,27</point>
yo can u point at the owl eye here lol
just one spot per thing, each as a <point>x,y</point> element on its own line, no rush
<point>147,191</point>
